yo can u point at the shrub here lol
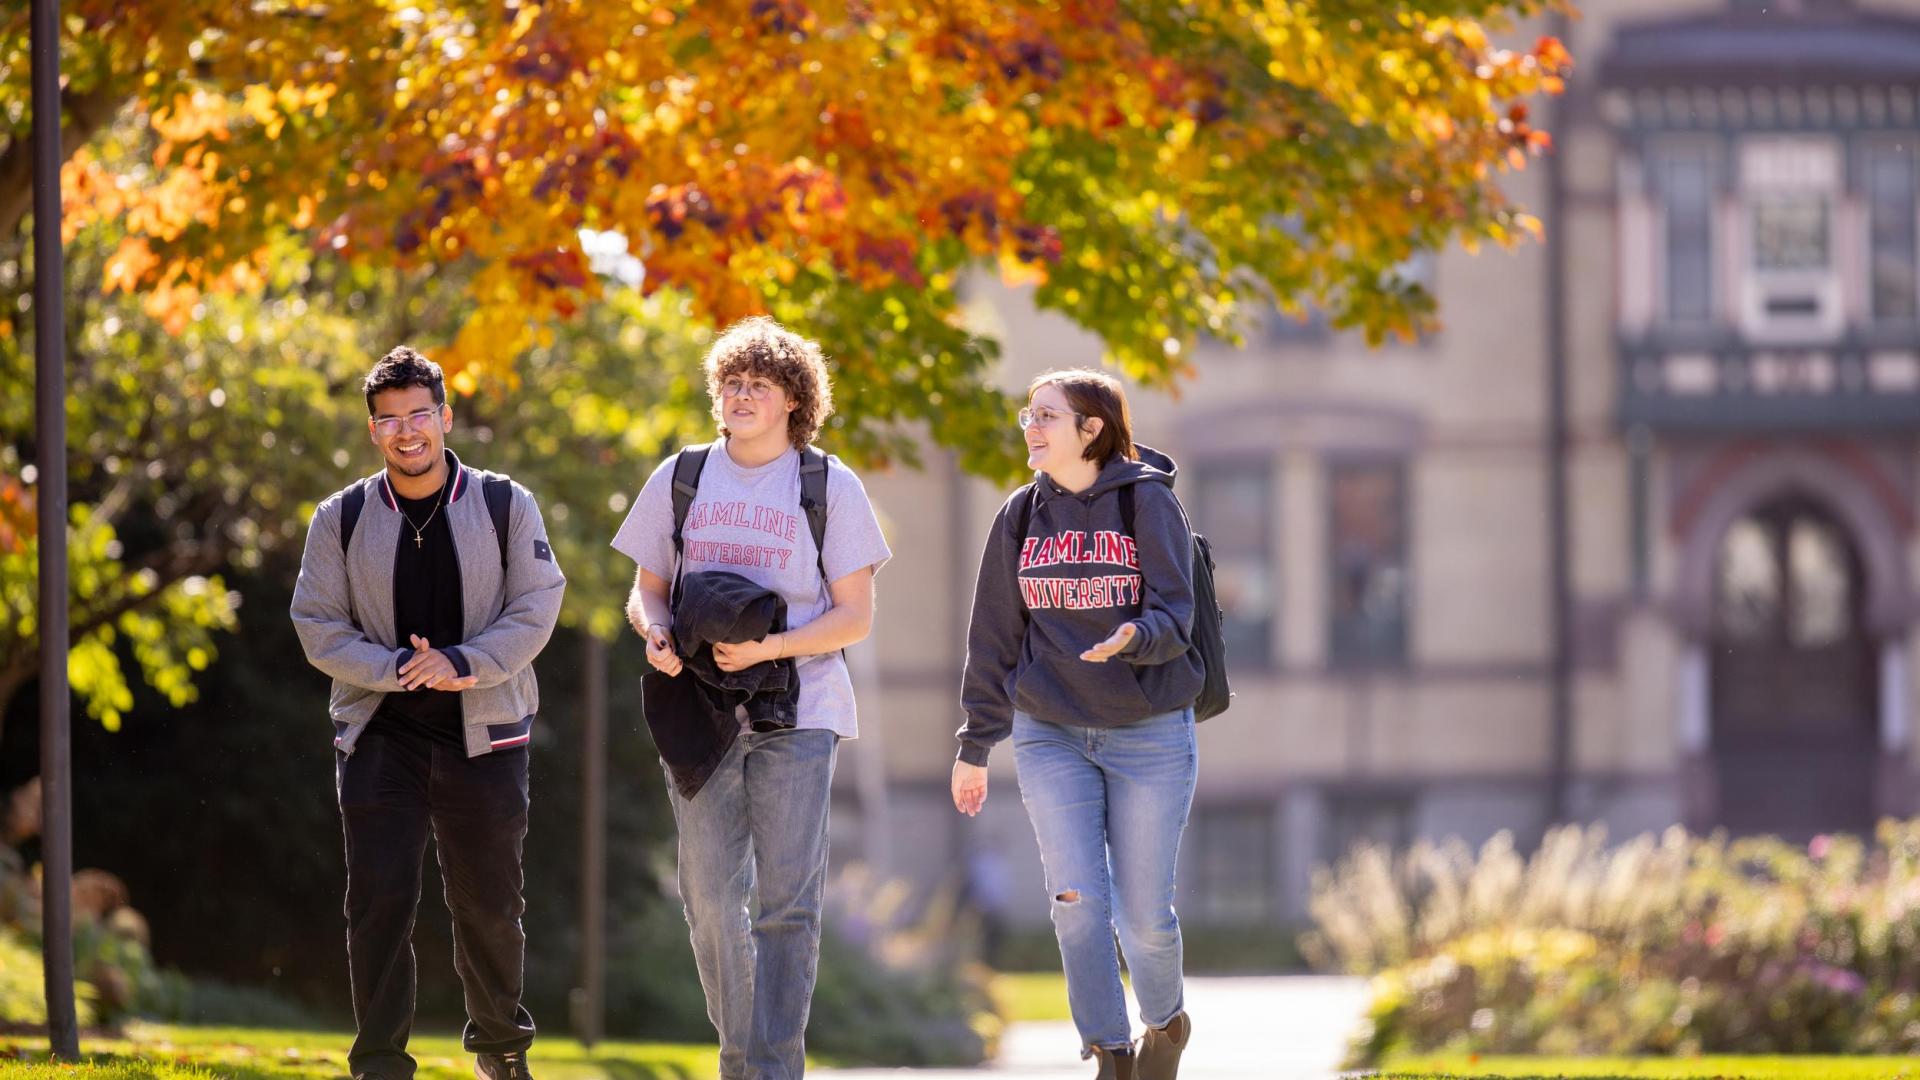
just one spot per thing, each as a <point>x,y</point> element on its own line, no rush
<point>896,987</point>
<point>23,989</point>
<point>1661,945</point>
<point>216,1003</point>
<point>114,974</point>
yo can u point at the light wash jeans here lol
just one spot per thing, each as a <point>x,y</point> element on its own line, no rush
<point>1108,806</point>
<point>757,831</point>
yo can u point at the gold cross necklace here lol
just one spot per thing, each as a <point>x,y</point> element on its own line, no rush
<point>420,529</point>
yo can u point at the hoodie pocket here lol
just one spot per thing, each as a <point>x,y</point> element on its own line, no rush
<point>1067,689</point>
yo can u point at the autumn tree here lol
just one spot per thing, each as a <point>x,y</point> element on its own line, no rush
<point>1153,171</point>
<point>201,453</point>
<point>841,162</point>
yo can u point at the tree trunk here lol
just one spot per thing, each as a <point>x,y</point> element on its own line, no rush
<point>12,678</point>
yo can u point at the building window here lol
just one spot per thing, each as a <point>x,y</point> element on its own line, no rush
<point>1684,176</point>
<point>1890,201</point>
<point>1234,510</point>
<point>1790,231</point>
<point>1789,289</point>
<point>1786,575</point>
<point>1367,548</point>
<point>1376,818</point>
<point>1229,861</point>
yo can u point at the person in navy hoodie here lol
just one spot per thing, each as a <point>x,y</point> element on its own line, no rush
<point>1088,569</point>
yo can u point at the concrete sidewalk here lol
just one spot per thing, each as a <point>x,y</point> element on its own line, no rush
<point>1279,1028</point>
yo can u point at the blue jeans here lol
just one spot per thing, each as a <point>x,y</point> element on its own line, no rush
<point>757,831</point>
<point>1108,806</point>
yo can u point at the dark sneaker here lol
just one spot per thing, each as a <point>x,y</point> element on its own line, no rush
<point>502,1067</point>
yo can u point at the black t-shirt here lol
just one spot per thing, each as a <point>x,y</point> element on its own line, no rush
<point>426,601</point>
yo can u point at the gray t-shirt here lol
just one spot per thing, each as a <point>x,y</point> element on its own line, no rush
<point>749,521</point>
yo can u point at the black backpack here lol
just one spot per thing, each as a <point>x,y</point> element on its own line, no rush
<point>1209,633</point>
<point>813,498</point>
<point>813,501</point>
<point>497,489</point>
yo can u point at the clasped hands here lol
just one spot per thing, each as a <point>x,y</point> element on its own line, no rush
<point>428,667</point>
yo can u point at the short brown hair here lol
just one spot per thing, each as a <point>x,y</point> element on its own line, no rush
<point>760,346</point>
<point>1095,394</point>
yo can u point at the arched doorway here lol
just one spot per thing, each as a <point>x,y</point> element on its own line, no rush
<point>1795,683</point>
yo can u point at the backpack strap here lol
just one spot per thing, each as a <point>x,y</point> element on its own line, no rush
<point>1023,516</point>
<point>813,500</point>
<point>354,501</point>
<point>687,465</point>
<point>497,489</point>
<point>499,494</point>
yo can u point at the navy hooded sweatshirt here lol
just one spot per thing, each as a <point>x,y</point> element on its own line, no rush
<point>1044,598</point>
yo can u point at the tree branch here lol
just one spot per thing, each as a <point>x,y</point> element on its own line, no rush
<point>86,114</point>
<point>168,565</point>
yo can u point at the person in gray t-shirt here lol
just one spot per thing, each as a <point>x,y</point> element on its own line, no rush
<point>759,823</point>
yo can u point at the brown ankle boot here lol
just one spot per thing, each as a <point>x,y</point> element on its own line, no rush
<point>1114,1064</point>
<point>1160,1049</point>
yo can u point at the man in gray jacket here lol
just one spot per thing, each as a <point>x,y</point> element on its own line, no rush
<point>425,591</point>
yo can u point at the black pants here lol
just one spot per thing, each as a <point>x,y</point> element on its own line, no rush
<point>393,788</point>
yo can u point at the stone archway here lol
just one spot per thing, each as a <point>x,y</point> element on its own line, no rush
<point>1793,675</point>
<point>1791,586</point>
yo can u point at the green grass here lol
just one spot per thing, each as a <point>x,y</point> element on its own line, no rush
<point>14,1070</point>
<point>1035,995</point>
<point>155,1052</point>
<point>1029,995</point>
<point>1430,1067</point>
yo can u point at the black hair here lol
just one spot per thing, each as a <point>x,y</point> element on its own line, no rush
<point>401,368</point>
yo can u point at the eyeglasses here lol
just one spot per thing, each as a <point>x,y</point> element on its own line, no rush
<point>758,389</point>
<point>1043,417</point>
<point>388,426</point>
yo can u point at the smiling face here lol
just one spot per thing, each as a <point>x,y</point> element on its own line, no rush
<point>409,428</point>
<point>1056,438</point>
<point>753,406</point>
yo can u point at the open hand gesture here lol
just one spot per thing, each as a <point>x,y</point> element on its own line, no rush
<point>1120,639</point>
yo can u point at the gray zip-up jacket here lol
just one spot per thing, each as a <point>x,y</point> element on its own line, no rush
<point>343,608</point>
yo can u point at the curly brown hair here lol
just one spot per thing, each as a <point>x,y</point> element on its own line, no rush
<point>759,346</point>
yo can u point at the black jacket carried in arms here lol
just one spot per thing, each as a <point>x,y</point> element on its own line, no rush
<point>695,715</point>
